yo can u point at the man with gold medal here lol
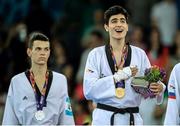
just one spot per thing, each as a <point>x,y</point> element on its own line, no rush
<point>121,72</point>
<point>109,71</point>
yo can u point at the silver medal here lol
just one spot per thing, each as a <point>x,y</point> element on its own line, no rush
<point>39,115</point>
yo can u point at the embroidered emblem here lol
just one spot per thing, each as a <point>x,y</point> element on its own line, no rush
<point>102,75</point>
<point>68,109</point>
<point>171,93</point>
<point>171,86</point>
<point>89,71</point>
<point>25,98</point>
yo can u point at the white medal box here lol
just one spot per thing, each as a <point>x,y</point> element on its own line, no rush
<point>141,86</point>
<point>39,115</point>
<point>139,82</point>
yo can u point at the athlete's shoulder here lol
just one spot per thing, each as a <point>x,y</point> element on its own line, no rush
<point>19,76</point>
<point>58,75</point>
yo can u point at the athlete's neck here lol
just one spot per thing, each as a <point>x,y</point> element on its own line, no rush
<point>117,44</point>
<point>39,70</point>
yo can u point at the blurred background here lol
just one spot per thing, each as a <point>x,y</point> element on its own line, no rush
<point>74,28</point>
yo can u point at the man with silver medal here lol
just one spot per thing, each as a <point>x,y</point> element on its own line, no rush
<point>38,96</point>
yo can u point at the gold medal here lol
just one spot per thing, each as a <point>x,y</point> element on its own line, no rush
<point>120,92</point>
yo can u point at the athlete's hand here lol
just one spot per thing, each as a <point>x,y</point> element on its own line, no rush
<point>125,73</point>
<point>122,74</point>
<point>134,70</point>
<point>157,88</point>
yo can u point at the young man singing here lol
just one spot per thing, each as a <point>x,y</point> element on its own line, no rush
<point>109,72</point>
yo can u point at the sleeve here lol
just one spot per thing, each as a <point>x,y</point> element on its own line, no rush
<point>66,116</point>
<point>97,88</point>
<point>173,105</point>
<point>9,117</point>
<point>160,97</point>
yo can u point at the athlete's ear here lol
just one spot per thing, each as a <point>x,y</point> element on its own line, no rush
<point>28,52</point>
<point>106,27</point>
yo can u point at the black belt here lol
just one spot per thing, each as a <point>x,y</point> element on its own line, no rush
<point>129,110</point>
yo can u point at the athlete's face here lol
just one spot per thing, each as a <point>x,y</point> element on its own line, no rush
<point>40,52</point>
<point>117,26</point>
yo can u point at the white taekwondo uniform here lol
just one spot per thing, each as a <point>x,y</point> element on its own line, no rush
<point>173,107</point>
<point>21,103</point>
<point>99,86</point>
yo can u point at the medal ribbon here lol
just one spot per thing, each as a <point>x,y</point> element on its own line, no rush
<point>40,102</point>
<point>123,58</point>
<point>120,84</point>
